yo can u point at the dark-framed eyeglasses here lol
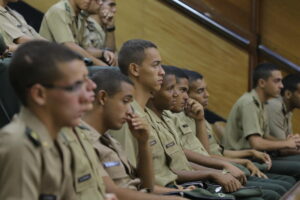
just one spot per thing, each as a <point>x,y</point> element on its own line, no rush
<point>69,88</point>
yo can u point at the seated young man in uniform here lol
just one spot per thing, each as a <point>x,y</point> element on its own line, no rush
<point>50,81</point>
<point>100,29</point>
<point>195,84</point>
<point>247,124</point>
<point>114,94</point>
<point>280,110</point>
<point>65,23</point>
<point>14,27</point>
<point>165,127</point>
<point>140,61</point>
<point>89,176</point>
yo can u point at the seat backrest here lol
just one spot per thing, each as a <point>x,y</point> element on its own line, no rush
<point>9,103</point>
<point>94,69</point>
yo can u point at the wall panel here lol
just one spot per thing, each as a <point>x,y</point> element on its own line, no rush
<point>280,27</point>
<point>184,43</point>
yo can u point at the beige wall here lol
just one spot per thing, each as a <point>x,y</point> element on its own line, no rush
<point>184,43</point>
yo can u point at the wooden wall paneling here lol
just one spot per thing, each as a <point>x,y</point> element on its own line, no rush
<point>280,27</point>
<point>235,15</point>
<point>41,5</point>
<point>183,42</point>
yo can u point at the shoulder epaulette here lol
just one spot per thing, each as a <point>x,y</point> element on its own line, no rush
<point>67,8</point>
<point>33,137</point>
<point>83,127</point>
<point>256,102</point>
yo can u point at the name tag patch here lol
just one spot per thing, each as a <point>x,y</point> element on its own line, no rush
<point>111,164</point>
<point>170,144</point>
<point>185,125</point>
<point>84,178</point>
<point>153,142</point>
<point>47,197</point>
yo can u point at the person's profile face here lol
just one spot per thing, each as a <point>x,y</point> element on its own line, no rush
<point>182,87</point>
<point>151,73</point>
<point>71,95</point>
<point>165,98</point>
<point>295,98</point>
<point>198,91</point>
<point>94,7</point>
<point>117,107</point>
<point>84,4</point>
<point>110,5</point>
<point>273,84</point>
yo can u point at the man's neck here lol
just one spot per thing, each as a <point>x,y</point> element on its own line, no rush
<point>96,18</point>
<point>141,95</point>
<point>261,95</point>
<point>94,119</point>
<point>74,7</point>
<point>288,106</point>
<point>3,3</point>
<point>157,111</point>
<point>53,127</point>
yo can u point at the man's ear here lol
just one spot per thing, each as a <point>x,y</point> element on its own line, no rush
<point>134,70</point>
<point>38,94</point>
<point>101,97</point>
<point>261,83</point>
<point>288,94</point>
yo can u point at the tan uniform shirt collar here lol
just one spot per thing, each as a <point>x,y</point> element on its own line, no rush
<point>94,135</point>
<point>36,126</point>
<point>4,10</point>
<point>256,100</point>
<point>69,8</point>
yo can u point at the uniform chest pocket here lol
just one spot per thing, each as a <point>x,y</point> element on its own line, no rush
<point>115,169</point>
<point>82,171</point>
<point>185,129</point>
<point>171,148</point>
<point>158,154</point>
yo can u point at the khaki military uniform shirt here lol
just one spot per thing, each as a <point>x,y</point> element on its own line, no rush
<point>60,24</point>
<point>94,34</point>
<point>86,171</point>
<point>185,128</point>
<point>114,160</point>
<point>280,120</point>
<point>163,174</point>
<point>169,153</point>
<point>214,146</point>
<point>33,165</point>
<point>126,139</point>
<point>14,26</point>
<point>247,117</point>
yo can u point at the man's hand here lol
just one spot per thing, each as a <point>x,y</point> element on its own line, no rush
<point>194,110</point>
<point>254,170</point>
<point>263,157</point>
<point>109,57</point>
<point>227,181</point>
<point>293,142</point>
<point>237,173</point>
<point>138,127</point>
<point>110,196</point>
<point>107,18</point>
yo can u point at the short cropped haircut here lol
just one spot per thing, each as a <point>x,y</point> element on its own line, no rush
<point>178,72</point>
<point>168,70</point>
<point>290,83</point>
<point>133,51</point>
<point>193,75</point>
<point>109,80</point>
<point>263,71</point>
<point>37,62</point>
